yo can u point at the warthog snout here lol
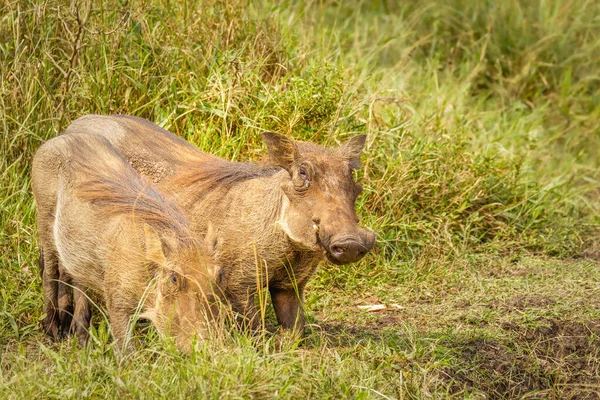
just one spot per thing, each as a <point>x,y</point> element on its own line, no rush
<point>344,249</point>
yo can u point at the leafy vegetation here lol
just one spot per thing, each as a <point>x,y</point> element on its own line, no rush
<point>481,176</point>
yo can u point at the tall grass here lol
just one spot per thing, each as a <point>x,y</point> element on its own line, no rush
<point>484,140</point>
<point>484,118</point>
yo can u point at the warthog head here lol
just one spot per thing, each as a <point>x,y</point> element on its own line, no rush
<point>318,209</point>
<point>185,301</point>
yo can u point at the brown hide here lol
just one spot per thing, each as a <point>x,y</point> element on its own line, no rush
<point>104,228</point>
<point>276,221</point>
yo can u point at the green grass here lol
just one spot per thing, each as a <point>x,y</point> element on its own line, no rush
<point>481,176</point>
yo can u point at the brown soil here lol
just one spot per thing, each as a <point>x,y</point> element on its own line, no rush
<point>558,360</point>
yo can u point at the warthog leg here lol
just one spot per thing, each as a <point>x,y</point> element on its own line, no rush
<point>288,308</point>
<point>65,302</point>
<point>50,285</point>
<point>82,316</point>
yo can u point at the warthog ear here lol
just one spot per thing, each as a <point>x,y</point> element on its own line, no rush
<point>154,249</point>
<point>352,150</point>
<point>281,149</point>
<point>211,240</point>
<point>212,243</point>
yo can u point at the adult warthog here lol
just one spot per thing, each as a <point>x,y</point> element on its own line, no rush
<point>103,227</point>
<point>277,221</point>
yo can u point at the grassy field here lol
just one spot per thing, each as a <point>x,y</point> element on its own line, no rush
<point>481,176</point>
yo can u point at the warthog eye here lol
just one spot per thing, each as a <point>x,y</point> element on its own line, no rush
<point>305,174</point>
<point>302,172</point>
<point>173,278</point>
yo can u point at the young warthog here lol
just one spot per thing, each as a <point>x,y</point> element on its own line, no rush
<point>276,221</point>
<point>103,228</point>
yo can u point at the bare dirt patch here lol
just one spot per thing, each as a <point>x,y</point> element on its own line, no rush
<point>559,359</point>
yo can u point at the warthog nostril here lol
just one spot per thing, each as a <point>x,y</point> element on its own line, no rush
<point>337,250</point>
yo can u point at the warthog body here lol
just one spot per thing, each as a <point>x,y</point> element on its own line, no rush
<point>277,221</point>
<point>102,227</point>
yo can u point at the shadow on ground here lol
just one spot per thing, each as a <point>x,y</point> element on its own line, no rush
<point>559,359</point>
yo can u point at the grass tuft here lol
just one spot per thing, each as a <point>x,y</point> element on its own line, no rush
<point>481,176</point>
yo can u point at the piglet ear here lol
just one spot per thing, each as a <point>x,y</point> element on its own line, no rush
<point>281,149</point>
<point>153,246</point>
<point>352,150</point>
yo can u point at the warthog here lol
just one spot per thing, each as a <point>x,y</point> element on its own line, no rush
<point>277,221</point>
<point>103,227</point>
